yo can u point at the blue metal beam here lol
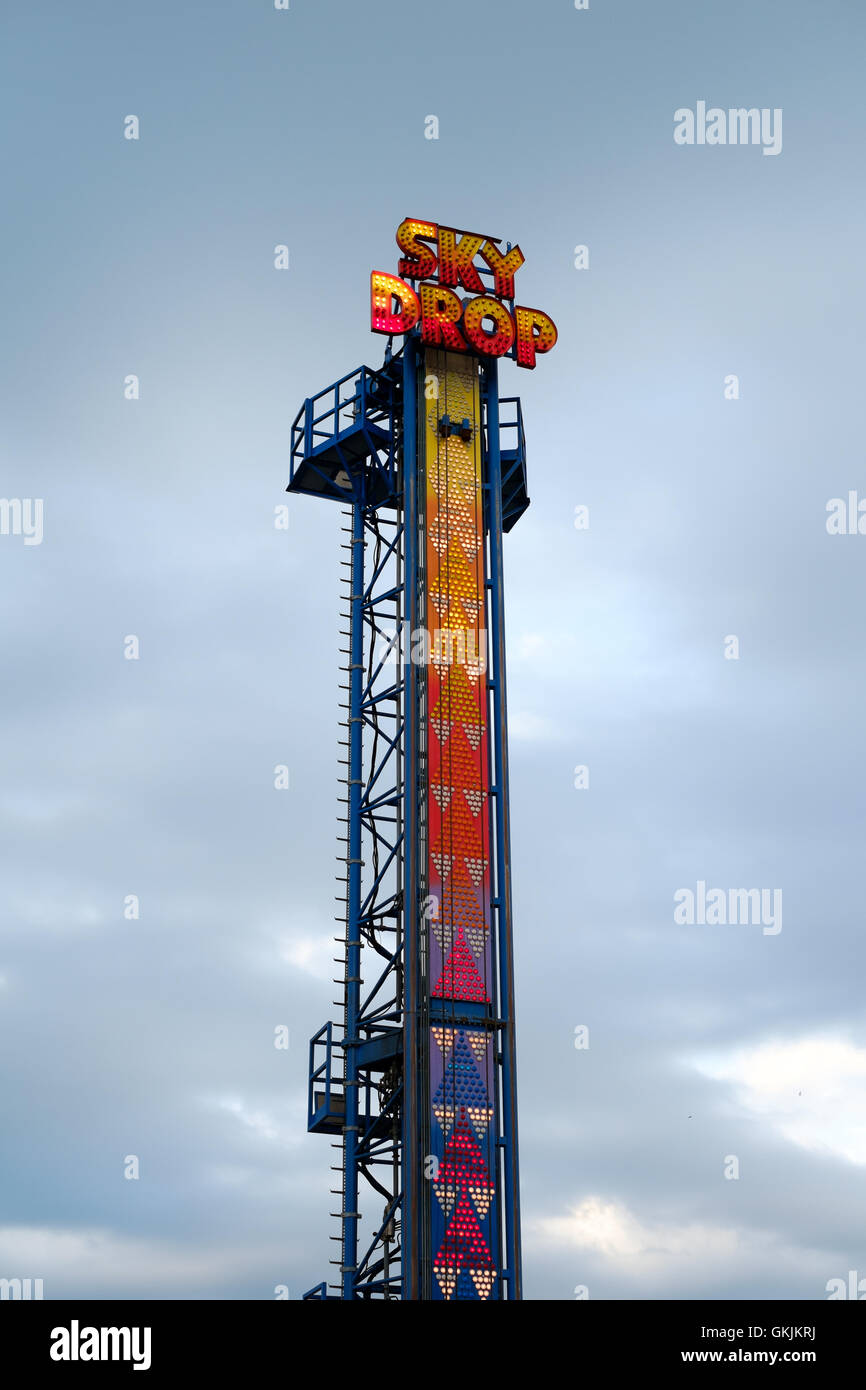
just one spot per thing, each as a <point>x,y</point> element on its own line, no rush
<point>512,1275</point>
<point>351,1040</point>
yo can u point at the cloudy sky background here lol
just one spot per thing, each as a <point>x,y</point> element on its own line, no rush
<point>707,518</point>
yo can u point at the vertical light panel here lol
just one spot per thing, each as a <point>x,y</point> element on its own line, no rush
<point>464,1215</point>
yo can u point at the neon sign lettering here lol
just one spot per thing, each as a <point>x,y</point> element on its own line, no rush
<point>442,261</point>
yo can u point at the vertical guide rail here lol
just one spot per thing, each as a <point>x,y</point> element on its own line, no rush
<point>512,1274</point>
<point>428,1044</point>
<point>411,1032</point>
<point>351,1127</point>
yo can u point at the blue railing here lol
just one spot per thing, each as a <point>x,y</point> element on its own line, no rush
<point>512,438</point>
<point>361,396</point>
<point>320,1101</point>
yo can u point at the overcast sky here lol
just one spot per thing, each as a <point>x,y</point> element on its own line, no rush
<point>707,520</point>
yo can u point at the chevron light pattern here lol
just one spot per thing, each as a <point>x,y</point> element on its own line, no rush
<point>463,1121</point>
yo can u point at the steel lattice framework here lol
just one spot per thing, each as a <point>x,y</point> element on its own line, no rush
<point>416,1080</point>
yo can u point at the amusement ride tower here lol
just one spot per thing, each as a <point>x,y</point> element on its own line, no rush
<point>415,1081</point>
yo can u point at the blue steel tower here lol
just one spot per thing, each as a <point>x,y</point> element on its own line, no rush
<point>415,1080</point>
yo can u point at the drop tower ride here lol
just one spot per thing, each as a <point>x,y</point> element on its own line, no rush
<point>415,1079</point>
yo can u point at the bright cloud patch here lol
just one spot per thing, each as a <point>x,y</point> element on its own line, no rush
<point>262,1123</point>
<point>610,1229</point>
<point>311,954</point>
<point>813,1091</point>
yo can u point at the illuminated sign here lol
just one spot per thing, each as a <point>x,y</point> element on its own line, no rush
<point>445,260</point>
